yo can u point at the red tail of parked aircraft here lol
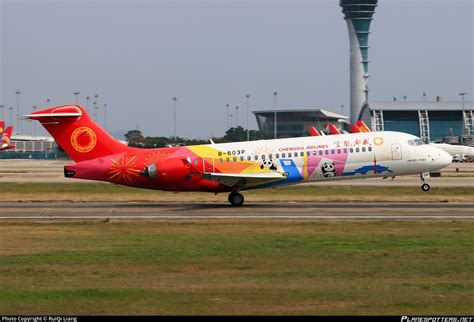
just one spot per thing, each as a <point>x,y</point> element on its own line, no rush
<point>5,145</point>
<point>333,129</point>
<point>313,131</point>
<point>355,129</point>
<point>2,126</point>
<point>362,126</point>
<point>77,133</point>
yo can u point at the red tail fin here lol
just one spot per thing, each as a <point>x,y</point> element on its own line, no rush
<point>77,133</point>
<point>313,131</point>
<point>363,127</point>
<point>355,128</point>
<point>7,135</point>
<point>2,125</point>
<point>333,129</point>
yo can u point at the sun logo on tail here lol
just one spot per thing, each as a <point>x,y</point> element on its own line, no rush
<point>123,170</point>
<point>83,139</point>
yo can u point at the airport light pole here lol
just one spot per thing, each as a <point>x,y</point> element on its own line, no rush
<point>75,95</point>
<point>18,124</point>
<point>275,114</point>
<point>87,100</point>
<point>34,123</point>
<point>175,99</point>
<point>3,111</point>
<point>227,117</point>
<point>230,115</point>
<point>47,102</point>
<point>247,125</point>
<point>424,97</point>
<point>95,110</point>
<point>464,125</point>
<point>105,116</point>
<point>236,116</point>
<point>11,114</point>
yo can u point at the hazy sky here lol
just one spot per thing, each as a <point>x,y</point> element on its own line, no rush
<point>138,54</point>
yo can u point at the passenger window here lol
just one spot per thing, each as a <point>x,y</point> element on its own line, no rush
<point>227,159</point>
<point>241,158</point>
<point>308,153</point>
<point>220,160</point>
<point>326,152</point>
<point>263,156</point>
<point>270,156</point>
<point>320,152</point>
<point>277,156</point>
<point>255,157</point>
<point>283,155</point>
<point>314,152</point>
<point>338,151</point>
<point>345,151</point>
<point>351,150</point>
<point>363,149</point>
<point>249,158</point>
<point>332,151</point>
<point>235,159</point>
<point>301,154</point>
<point>289,154</point>
<point>357,150</point>
<point>370,149</point>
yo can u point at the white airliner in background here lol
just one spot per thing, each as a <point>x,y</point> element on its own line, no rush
<point>234,167</point>
<point>458,152</point>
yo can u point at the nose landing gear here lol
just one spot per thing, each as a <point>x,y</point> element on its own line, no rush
<point>425,187</point>
<point>236,199</point>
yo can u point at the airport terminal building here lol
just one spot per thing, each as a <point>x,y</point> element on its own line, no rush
<point>450,122</point>
<point>295,123</point>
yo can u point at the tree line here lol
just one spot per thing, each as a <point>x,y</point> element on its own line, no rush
<point>135,138</point>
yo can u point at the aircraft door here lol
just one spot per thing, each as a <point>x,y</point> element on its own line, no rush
<point>396,151</point>
<point>208,164</point>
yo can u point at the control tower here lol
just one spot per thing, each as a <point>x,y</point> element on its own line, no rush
<point>358,15</point>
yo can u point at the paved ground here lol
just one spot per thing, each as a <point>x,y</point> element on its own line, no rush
<point>65,212</point>
<point>51,171</point>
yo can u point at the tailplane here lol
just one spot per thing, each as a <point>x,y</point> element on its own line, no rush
<point>77,133</point>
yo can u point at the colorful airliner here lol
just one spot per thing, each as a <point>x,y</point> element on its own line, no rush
<point>239,166</point>
<point>7,134</point>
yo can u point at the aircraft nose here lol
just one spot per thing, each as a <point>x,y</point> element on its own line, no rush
<point>443,158</point>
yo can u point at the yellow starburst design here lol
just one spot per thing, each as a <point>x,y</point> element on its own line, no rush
<point>123,170</point>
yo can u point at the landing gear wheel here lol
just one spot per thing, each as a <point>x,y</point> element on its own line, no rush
<point>236,199</point>
<point>425,187</point>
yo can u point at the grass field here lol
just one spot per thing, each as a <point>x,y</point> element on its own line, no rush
<point>413,268</point>
<point>86,192</point>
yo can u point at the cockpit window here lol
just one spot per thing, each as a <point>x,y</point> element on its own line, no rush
<point>416,142</point>
<point>419,142</point>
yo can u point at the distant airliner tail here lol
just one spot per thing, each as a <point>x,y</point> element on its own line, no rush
<point>2,126</point>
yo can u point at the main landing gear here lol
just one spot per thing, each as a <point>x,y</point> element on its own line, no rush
<point>236,199</point>
<point>425,187</point>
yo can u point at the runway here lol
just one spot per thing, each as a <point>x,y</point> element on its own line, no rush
<point>99,212</point>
